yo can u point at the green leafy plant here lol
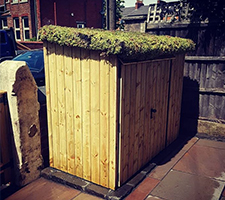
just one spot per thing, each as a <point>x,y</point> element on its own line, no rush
<point>128,45</point>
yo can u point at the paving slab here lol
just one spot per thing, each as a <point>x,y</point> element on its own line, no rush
<point>179,185</point>
<point>161,170</point>
<point>44,189</point>
<point>211,143</point>
<point>150,197</point>
<point>84,196</point>
<point>205,161</point>
<point>167,164</point>
<point>143,189</point>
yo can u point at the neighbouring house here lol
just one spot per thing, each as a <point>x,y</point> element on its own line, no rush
<point>140,16</point>
<point>135,17</point>
<point>28,16</point>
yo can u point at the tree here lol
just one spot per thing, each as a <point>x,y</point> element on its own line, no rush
<point>210,10</point>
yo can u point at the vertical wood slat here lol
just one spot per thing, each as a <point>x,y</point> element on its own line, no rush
<point>137,117</point>
<point>142,136</point>
<point>60,70</point>
<point>69,109</point>
<point>175,98</point>
<point>77,109</point>
<point>132,119</point>
<point>104,122</point>
<point>148,122</point>
<point>113,77</point>
<point>5,151</point>
<point>95,116</point>
<point>125,122</point>
<point>86,127</point>
<point>82,129</point>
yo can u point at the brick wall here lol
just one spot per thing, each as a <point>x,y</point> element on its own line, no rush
<point>65,13</point>
<point>70,12</point>
<point>20,10</point>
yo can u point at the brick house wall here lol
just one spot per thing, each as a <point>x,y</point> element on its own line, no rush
<point>22,10</point>
<point>72,13</point>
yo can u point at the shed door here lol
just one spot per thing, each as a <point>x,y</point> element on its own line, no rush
<point>144,100</point>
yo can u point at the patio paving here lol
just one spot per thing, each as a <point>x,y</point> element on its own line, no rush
<point>194,171</point>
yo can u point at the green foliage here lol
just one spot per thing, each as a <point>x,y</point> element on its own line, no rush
<point>33,39</point>
<point>128,45</point>
<point>119,7</point>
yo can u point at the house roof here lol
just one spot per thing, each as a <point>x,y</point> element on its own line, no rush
<point>131,12</point>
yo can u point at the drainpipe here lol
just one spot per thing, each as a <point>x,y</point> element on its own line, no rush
<point>38,10</point>
<point>35,18</point>
<point>55,15</point>
<point>112,14</point>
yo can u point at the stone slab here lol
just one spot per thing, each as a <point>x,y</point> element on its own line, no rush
<point>142,191</point>
<point>178,185</point>
<point>205,161</point>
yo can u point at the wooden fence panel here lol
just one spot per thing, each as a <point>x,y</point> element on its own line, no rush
<point>5,147</point>
<point>206,75</point>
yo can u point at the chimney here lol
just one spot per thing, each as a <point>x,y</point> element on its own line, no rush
<point>138,4</point>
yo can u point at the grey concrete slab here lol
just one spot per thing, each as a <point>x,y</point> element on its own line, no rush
<point>183,186</point>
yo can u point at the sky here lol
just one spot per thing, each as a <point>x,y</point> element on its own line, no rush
<point>129,3</point>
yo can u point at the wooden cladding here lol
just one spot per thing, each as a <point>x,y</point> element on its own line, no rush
<point>107,119</point>
<point>81,93</point>
<point>150,111</point>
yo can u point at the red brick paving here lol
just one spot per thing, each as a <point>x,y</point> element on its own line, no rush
<point>43,189</point>
<point>143,189</point>
<point>205,161</point>
<point>160,171</point>
<point>211,143</point>
<point>190,174</point>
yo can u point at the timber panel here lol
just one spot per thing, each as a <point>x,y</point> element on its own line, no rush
<point>175,97</point>
<point>81,90</point>
<point>145,87</point>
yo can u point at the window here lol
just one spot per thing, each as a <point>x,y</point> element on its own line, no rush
<point>17,28</point>
<point>26,29</point>
<point>14,1</point>
<point>80,24</point>
<point>21,1</point>
<point>4,24</point>
<point>7,1</point>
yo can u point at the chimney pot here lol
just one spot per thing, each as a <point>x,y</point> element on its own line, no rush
<point>138,4</point>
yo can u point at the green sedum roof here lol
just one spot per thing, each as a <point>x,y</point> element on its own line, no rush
<point>128,45</point>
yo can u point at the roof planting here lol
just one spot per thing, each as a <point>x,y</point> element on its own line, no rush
<point>128,45</point>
